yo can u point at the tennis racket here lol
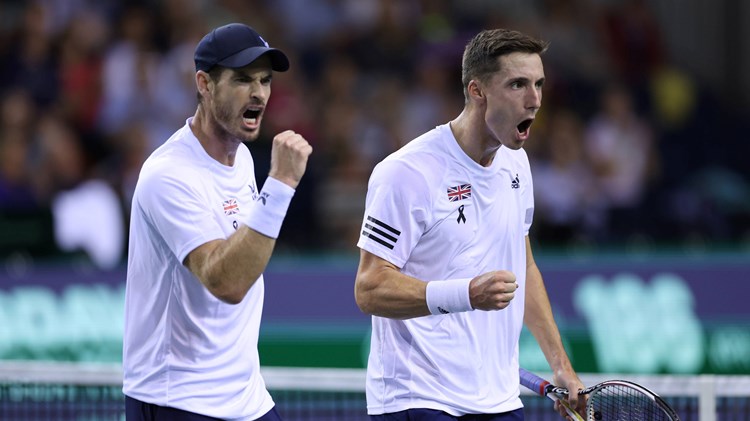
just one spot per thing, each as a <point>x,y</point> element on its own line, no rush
<point>611,400</point>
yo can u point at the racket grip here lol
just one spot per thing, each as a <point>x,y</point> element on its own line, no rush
<point>533,382</point>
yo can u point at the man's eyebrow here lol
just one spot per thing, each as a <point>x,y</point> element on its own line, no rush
<point>525,80</point>
<point>251,74</point>
<point>519,79</point>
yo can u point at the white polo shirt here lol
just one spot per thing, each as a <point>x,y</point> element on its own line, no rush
<point>435,213</point>
<point>183,347</point>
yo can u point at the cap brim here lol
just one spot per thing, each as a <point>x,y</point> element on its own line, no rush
<point>279,61</point>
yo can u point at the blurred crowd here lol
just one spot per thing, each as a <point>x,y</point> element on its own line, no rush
<point>628,149</point>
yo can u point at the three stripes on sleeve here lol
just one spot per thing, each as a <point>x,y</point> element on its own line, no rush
<point>380,232</point>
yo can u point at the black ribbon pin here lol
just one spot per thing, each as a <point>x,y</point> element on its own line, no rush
<point>461,217</point>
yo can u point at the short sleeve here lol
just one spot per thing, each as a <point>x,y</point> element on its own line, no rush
<point>177,206</point>
<point>527,194</point>
<point>396,209</point>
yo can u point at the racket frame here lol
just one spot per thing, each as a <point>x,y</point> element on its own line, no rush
<point>660,403</point>
<point>545,388</point>
<point>556,393</point>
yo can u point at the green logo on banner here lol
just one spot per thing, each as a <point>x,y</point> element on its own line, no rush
<point>84,323</point>
<point>637,326</point>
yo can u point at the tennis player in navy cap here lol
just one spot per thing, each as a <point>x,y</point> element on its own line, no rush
<point>201,235</point>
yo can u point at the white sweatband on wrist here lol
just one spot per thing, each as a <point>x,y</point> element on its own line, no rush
<point>269,209</point>
<point>449,296</point>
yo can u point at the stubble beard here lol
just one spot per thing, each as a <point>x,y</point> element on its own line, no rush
<point>225,120</point>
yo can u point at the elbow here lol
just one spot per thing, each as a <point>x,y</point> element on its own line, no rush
<point>230,298</point>
<point>226,292</point>
<point>363,302</point>
<point>364,299</point>
<point>365,306</point>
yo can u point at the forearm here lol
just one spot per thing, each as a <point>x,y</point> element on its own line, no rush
<point>382,290</point>
<point>539,320</point>
<point>229,268</point>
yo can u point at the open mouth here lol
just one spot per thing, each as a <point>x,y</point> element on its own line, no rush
<point>251,116</point>
<point>523,127</point>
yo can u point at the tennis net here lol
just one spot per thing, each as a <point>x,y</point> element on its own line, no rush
<point>40,391</point>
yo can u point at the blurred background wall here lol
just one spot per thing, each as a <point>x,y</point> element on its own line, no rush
<point>639,156</point>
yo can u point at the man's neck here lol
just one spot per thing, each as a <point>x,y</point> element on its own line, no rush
<point>217,147</point>
<point>468,129</point>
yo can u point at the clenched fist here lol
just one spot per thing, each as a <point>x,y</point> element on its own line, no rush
<point>289,154</point>
<point>492,290</point>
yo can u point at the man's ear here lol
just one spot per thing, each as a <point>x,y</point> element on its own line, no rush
<point>203,82</point>
<point>475,91</point>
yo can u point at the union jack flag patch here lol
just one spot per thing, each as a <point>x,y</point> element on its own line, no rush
<point>457,193</point>
<point>231,207</point>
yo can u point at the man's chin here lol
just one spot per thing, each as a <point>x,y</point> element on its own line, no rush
<point>513,144</point>
<point>249,135</point>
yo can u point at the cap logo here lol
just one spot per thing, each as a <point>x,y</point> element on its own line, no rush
<point>235,45</point>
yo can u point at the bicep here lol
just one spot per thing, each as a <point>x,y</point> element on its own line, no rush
<point>177,209</point>
<point>197,259</point>
<point>372,272</point>
<point>382,290</point>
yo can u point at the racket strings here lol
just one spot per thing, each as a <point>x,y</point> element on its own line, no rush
<point>623,403</point>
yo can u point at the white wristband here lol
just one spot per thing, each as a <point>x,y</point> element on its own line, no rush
<point>269,210</point>
<point>449,296</point>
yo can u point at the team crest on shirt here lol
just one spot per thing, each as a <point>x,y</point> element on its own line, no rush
<point>459,192</point>
<point>231,207</point>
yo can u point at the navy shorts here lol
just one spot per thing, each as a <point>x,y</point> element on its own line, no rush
<point>136,410</point>
<point>435,415</point>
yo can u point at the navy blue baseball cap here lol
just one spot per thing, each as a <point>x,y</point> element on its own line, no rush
<point>236,45</point>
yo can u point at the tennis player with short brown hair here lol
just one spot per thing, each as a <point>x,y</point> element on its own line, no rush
<point>446,267</point>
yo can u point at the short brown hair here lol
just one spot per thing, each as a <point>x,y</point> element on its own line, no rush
<point>481,53</point>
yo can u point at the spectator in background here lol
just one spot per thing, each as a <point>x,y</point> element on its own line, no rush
<point>16,190</point>
<point>97,63</point>
<point>17,114</point>
<point>30,62</point>
<point>429,96</point>
<point>567,199</point>
<point>619,144</point>
<point>344,180</point>
<point>130,70</point>
<point>82,44</point>
<point>86,210</point>
<point>579,58</point>
<point>633,42</point>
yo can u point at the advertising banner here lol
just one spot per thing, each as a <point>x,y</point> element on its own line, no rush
<point>647,314</point>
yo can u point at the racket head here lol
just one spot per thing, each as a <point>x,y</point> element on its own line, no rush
<point>624,400</point>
